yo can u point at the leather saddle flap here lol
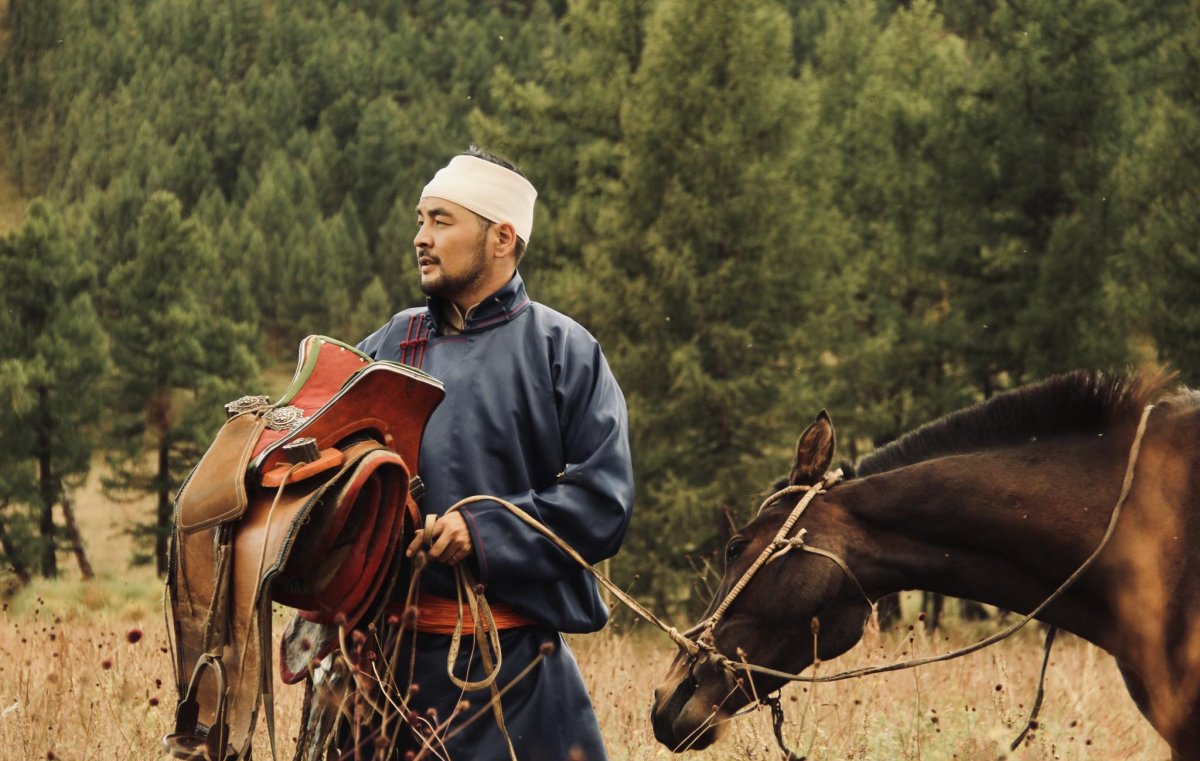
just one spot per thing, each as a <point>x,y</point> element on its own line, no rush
<point>216,490</point>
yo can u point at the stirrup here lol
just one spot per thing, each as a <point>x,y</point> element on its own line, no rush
<point>190,741</point>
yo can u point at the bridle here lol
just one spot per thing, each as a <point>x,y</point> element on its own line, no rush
<point>698,641</point>
<point>781,544</point>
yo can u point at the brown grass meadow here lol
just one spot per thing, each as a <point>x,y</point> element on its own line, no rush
<point>84,674</point>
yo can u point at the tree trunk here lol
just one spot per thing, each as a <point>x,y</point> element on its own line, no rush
<point>48,488</point>
<point>889,611</point>
<point>972,611</point>
<point>162,528</point>
<point>931,605</point>
<point>10,552</point>
<point>73,535</point>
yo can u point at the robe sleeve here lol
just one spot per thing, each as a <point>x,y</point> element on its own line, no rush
<point>590,503</point>
<point>371,344</point>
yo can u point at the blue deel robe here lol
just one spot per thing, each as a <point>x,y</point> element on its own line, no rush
<point>532,414</point>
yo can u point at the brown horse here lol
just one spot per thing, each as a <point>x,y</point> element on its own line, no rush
<point>998,503</point>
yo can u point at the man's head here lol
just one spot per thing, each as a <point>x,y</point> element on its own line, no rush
<point>474,220</point>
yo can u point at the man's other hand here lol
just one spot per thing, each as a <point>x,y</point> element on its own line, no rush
<point>450,537</point>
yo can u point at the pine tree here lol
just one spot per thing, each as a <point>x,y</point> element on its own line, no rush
<point>31,28</point>
<point>1156,277</point>
<point>374,308</point>
<point>379,155</point>
<point>889,306</point>
<point>563,126</point>
<point>395,257</point>
<point>1046,118</point>
<point>55,353</point>
<point>281,260</point>
<point>175,361</point>
<point>699,245</point>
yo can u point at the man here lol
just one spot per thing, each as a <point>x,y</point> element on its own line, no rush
<point>532,414</point>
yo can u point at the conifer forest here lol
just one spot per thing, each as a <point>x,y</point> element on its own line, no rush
<point>761,208</point>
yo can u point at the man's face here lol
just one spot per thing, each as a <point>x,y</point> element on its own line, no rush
<point>451,249</point>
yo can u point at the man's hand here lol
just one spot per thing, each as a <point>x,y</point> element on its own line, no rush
<point>450,537</point>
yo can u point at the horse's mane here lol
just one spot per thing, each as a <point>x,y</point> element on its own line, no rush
<point>1079,402</point>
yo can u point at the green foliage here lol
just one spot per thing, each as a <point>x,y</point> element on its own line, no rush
<point>373,302</point>
<point>886,312</point>
<point>53,354</point>
<point>175,360</point>
<point>564,129</point>
<point>1157,275</point>
<point>888,209</point>
<point>703,210</point>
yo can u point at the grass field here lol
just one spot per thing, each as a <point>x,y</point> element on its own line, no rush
<point>76,687</point>
<point>84,674</point>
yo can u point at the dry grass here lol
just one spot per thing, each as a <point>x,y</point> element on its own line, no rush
<point>74,686</point>
<point>971,708</point>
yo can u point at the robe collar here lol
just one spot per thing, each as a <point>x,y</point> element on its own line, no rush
<point>496,309</point>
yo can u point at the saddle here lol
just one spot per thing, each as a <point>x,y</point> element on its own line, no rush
<point>307,502</point>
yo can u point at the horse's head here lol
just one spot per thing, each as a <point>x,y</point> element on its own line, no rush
<point>795,608</point>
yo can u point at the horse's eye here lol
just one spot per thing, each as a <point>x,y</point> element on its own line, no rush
<point>733,550</point>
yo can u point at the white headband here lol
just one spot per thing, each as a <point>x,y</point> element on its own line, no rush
<point>491,191</point>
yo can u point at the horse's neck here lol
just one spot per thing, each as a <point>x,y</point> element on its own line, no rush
<point>1004,528</point>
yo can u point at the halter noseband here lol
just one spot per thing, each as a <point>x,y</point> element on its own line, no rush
<point>779,546</point>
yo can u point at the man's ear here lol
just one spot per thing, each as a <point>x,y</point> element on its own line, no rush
<point>505,236</point>
<point>814,452</point>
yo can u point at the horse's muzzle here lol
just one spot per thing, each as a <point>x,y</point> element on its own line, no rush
<point>682,716</point>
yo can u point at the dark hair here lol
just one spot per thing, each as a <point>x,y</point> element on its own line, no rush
<point>479,153</point>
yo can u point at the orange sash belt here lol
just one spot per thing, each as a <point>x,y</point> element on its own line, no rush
<point>439,615</point>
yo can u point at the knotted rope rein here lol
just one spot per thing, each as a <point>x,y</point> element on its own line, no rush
<point>487,636</point>
<point>1126,488</point>
<point>687,644</point>
<point>702,645</point>
<point>777,547</point>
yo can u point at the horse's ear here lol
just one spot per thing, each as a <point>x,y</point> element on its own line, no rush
<point>814,452</point>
